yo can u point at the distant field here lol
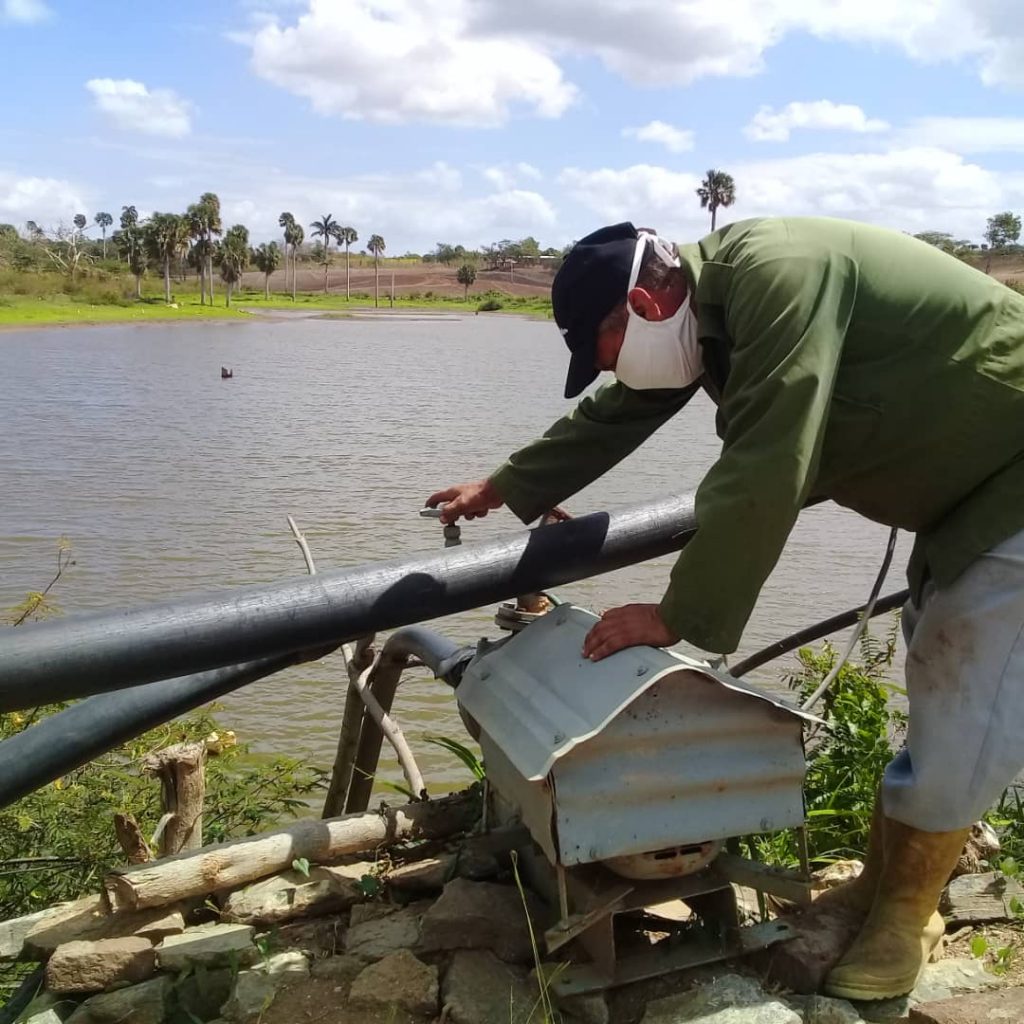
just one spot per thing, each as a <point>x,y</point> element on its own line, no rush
<point>417,277</point>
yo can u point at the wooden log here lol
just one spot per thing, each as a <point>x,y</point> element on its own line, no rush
<point>180,769</point>
<point>130,837</point>
<point>230,865</point>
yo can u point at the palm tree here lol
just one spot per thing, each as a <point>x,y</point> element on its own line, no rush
<point>163,238</point>
<point>287,221</point>
<point>325,229</point>
<point>347,236</point>
<point>80,221</point>
<point>129,217</point>
<point>130,246</point>
<point>233,256</point>
<point>298,236</point>
<point>376,246</point>
<point>209,205</point>
<point>466,276</point>
<point>268,258</point>
<point>104,220</point>
<point>717,189</point>
<point>35,232</point>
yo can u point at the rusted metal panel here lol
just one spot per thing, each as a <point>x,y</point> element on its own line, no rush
<point>644,750</point>
<point>688,761</point>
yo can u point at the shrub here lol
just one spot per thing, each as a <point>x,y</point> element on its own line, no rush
<point>846,755</point>
<point>489,306</point>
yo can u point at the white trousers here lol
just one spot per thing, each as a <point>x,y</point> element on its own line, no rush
<point>965,684</point>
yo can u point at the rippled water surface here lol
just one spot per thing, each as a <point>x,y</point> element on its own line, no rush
<point>169,480</point>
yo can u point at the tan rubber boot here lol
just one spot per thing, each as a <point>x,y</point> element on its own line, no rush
<point>903,929</point>
<point>856,897</point>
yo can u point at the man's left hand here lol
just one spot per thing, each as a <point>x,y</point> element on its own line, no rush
<point>628,626</point>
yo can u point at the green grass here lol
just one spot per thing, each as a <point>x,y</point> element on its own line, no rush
<point>16,311</point>
<point>37,299</point>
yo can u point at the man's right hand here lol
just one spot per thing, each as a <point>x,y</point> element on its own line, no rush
<point>471,500</point>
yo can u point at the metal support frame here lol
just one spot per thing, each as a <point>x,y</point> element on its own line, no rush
<point>599,897</point>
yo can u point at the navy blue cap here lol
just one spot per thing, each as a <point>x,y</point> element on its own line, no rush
<point>588,286</point>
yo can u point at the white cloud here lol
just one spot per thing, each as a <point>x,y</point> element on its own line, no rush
<point>658,42</point>
<point>134,107</point>
<point>769,125</point>
<point>25,12</point>
<point>404,60</point>
<point>675,140</point>
<point>967,134</point>
<point>411,211</point>
<point>505,177</point>
<point>913,188</point>
<point>44,200</point>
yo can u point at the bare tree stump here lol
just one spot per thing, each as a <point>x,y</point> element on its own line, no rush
<point>180,769</point>
<point>129,835</point>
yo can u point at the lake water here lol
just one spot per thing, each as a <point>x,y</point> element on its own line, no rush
<point>168,480</point>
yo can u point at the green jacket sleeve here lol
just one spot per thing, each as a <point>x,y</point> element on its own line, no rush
<point>787,316</point>
<point>599,433</point>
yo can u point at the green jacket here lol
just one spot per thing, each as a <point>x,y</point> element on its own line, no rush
<point>848,362</point>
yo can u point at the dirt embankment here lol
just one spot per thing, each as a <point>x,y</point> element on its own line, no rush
<point>419,277</point>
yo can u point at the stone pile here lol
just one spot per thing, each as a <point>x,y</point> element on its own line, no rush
<point>445,938</point>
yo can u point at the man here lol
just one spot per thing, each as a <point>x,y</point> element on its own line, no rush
<point>847,362</point>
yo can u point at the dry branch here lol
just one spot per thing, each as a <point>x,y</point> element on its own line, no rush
<point>230,865</point>
<point>130,837</point>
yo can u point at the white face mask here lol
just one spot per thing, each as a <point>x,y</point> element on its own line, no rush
<point>658,353</point>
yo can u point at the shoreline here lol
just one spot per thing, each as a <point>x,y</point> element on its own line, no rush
<point>248,314</point>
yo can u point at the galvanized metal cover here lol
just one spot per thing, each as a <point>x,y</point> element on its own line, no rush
<point>538,698</point>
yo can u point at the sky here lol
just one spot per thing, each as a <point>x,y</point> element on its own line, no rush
<point>470,121</point>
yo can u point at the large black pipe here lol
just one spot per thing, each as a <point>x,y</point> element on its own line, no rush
<point>816,632</point>
<point>78,656</point>
<point>65,741</point>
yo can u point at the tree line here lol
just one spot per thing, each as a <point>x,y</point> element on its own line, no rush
<point>174,242</point>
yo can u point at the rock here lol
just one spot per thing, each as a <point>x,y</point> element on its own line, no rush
<point>399,980</point>
<point>482,915</point>
<point>938,981</point>
<point>13,932</point>
<point>588,1009</point>
<point>980,851</point>
<point>480,989</point>
<point>216,945</point>
<point>95,966</point>
<point>292,895</point>
<point>255,989</point>
<point>199,995</point>
<point>821,1010</point>
<point>429,875</point>
<point>381,936</point>
<point>316,938</point>
<point>341,969</point>
<point>729,999</point>
<point>837,873</point>
<point>159,929</point>
<point>1006,1007</point>
<point>251,998</point>
<point>823,934</point>
<point>83,920</point>
<point>292,962</point>
<point>140,1004</point>
<point>371,912</point>
<point>46,1017</point>
<point>980,899</point>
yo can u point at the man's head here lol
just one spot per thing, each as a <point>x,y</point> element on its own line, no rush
<point>590,293</point>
